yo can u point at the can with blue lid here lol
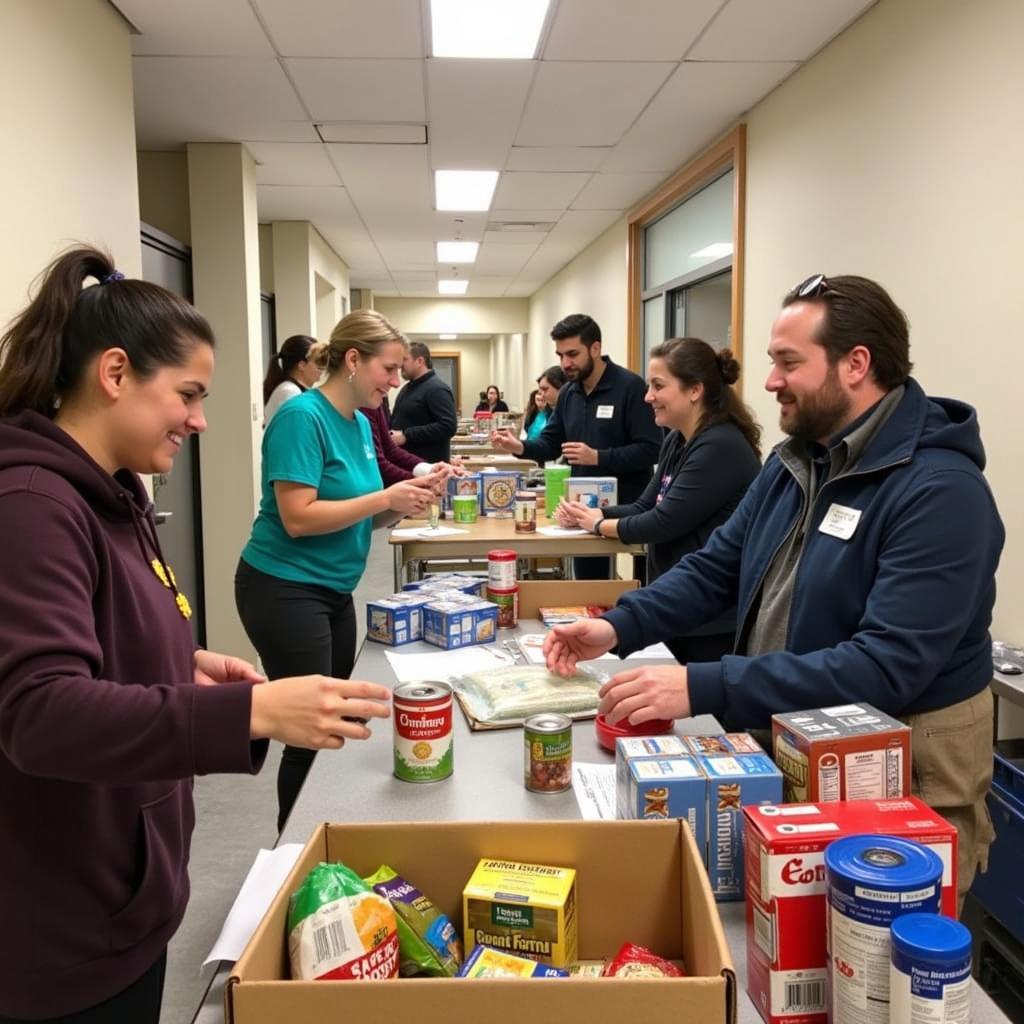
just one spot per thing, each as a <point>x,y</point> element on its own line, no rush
<point>930,976</point>
<point>871,881</point>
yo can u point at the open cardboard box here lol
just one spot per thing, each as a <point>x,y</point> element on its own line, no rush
<point>534,594</point>
<point>637,881</point>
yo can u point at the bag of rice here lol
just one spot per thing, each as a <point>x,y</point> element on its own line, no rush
<point>340,929</point>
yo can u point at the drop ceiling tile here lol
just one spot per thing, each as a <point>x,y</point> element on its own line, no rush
<point>587,104</point>
<point>792,30</point>
<point>580,227</point>
<point>521,216</point>
<point>475,107</point>
<point>615,191</point>
<point>522,289</point>
<point>488,287</point>
<point>528,189</point>
<point>344,28</point>
<point>411,279</point>
<point>556,158</point>
<point>389,179</point>
<point>196,28</point>
<point>498,259</point>
<point>640,30</point>
<point>517,238</point>
<point>298,163</point>
<point>359,90</point>
<point>408,256</point>
<point>215,99</point>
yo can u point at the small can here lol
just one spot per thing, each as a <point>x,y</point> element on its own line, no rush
<point>465,507</point>
<point>930,977</point>
<point>547,746</point>
<point>526,512</point>
<point>423,731</point>
<point>508,605</point>
<point>501,569</point>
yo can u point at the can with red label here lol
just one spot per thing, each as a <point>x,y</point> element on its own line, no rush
<point>507,601</point>
<point>423,731</point>
<point>501,569</point>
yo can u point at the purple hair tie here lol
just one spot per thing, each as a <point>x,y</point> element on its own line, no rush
<point>114,275</point>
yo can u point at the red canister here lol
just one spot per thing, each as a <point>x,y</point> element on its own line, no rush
<point>501,569</point>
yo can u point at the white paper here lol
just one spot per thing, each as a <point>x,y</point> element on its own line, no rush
<point>426,531</point>
<point>532,646</point>
<point>594,786</point>
<point>409,668</point>
<point>655,651</point>
<point>561,531</point>
<point>265,877</point>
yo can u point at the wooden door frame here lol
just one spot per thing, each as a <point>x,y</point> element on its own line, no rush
<point>458,371</point>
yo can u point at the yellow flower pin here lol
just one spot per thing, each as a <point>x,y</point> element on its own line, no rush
<point>179,599</point>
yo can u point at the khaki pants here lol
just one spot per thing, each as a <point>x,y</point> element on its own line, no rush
<point>951,770</point>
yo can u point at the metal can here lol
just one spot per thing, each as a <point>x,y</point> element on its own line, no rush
<point>547,747</point>
<point>930,978</point>
<point>526,512</point>
<point>508,605</point>
<point>501,569</point>
<point>423,731</point>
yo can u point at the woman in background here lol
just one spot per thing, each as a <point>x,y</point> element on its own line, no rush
<point>492,401</point>
<point>704,468</point>
<point>542,402</point>
<point>292,370</point>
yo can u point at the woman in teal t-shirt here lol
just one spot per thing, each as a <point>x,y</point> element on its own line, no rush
<point>321,498</point>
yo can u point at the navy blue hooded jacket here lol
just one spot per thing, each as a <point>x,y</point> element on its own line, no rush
<point>896,616</point>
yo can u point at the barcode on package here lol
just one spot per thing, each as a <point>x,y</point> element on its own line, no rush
<point>329,942</point>
<point>764,933</point>
<point>804,997</point>
<point>894,772</point>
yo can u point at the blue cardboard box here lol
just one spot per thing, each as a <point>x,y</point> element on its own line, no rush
<point>640,748</point>
<point>452,624</point>
<point>397,619</point>
<point>724,743</point>
<point>673,787</point>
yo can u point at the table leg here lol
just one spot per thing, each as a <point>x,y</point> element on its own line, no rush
<point>399,565</point>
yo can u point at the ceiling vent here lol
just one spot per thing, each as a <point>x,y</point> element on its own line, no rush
<point>520,225</point>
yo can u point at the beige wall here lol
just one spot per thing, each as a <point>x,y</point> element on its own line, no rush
<point>474,367</point>
<point>266,237</point>
<point>68,172</point>
<point>163,193</point>
<point>896,154</point>
<point>456,316</point>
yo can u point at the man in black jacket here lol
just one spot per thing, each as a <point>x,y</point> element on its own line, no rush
<point>424,419</point>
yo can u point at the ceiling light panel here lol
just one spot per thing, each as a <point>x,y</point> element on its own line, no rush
<point>457,252</point>
<point>464,190</point>
<point>486,28</point>
<point>450,287</point>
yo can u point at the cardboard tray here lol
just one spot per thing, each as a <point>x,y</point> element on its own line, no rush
<point>638,881</point>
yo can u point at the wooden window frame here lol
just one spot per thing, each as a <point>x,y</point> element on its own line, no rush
<point>730,152</point>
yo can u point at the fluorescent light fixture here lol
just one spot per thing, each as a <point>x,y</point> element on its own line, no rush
<point>452,287</point>
<point>715,251</point>
<point>464,190</point>
<point>447,337</point>
<point>457,252</point>
<point>486,28</point>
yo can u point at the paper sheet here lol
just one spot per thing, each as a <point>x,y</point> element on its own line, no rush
<point>594,786</point>
<point>410,668</point>
<point>561,531</point>
<point>426,531</point>
<point>265,877</point>
<point>531,644</point>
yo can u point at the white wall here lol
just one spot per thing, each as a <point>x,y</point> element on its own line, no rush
<point>68,173</point>
<point>455,316</point>
<point>896,154</point>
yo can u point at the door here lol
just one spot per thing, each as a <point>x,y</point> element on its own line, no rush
<point>177,494</point>
<point>447,368</point>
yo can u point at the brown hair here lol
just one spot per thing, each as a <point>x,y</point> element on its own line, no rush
<point>695,362</point>
<point>295,350</point>
<point>46,348</point>
<point>365,330</point>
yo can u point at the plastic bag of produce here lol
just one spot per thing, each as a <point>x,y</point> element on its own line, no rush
<point>340,929</point>
<point>427,941</point>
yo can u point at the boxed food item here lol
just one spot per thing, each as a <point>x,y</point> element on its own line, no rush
<point>468,484</point>
<point>485,962</point>
<point>465,582</point>
<point>665,906</point>
<point>672,787</point>
<point>786,898</point>
<point>849,752</point>
<point>498,488</point>
<point>640,748</point>
<point>452,623</point>
<point>528,910</point>
<point>397,619</point>
<point>727,743</point>
<point>733,782</point>
<point>593,491</point>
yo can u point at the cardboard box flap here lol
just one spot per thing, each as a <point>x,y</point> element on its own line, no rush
<point>534,594</point>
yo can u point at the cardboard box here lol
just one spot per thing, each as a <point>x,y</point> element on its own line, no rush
<point>595,491</point>
<point>786,900</point>
<point>498,487</point>
<point>671,787</point>
<point>396,620</point>
<point>636,881</point>
<point>451,622</point>
<point>534,594</point>
<point>724,743</point>
<point>850,752</point>
<point>640,748</point>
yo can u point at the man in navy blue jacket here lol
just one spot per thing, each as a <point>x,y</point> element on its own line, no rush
<point>861,560</point>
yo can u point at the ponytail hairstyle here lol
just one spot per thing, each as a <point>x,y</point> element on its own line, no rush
<point>365,330</point>
<point>46,348</point>
<point>295,350</point>
<point>693,361</point>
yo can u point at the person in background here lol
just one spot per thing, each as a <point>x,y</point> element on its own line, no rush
<point>424,420</point>
<point>492,401</point>
<point>107,709</point>
<point>292,370</point>
<point>396,463</point>
<point>862,560</point>
<point>542,402</point>
<point>706,465</point>
<point>322,496</point>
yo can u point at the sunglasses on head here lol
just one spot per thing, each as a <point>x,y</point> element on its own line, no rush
<point>815,286</point>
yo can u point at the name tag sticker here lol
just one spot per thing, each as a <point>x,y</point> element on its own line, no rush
<point>604,412</point>
<point>840,521</point>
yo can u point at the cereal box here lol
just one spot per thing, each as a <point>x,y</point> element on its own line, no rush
<point>528,910</point>
<point>593,491</point>
<point>469,483</point>
<point>396,620</point>
<point>465,582</point>
<point>728,743</point>
<point>499,492</point>
<point>452,623</point>
<point>640,748</point>
<point>672,787</point>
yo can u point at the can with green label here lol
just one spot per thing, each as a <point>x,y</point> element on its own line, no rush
<point>464,507</point>
<point>547,747</point>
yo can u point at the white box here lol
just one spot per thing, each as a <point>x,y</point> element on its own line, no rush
<point>595,491</point>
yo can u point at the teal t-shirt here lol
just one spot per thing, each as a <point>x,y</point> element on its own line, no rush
<point>309,442</point>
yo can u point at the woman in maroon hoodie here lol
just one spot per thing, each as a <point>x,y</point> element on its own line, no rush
<point>102,723</point>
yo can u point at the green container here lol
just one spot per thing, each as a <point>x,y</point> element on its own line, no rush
<point>554,487</point>
<point>464,508</point>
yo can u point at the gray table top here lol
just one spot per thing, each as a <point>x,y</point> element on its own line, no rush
<point>356,784</point>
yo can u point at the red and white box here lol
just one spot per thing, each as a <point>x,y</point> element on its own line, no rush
<point>786,902</point>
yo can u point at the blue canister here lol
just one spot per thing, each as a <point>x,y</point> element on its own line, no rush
<point>871,881</point>
<point>930,977</point>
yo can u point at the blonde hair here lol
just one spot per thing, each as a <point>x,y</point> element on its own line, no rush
<point>365,330</point>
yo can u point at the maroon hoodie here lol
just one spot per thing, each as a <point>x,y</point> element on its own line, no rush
<point>395,463</point>
<point>101,729</point>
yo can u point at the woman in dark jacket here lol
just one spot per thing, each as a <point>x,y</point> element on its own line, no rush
<point>705,466</point>
<point>491,401</point>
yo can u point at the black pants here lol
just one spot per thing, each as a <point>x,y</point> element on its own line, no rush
<point>299,629</point>
<point>592,567</point>
<point>139,1003</point>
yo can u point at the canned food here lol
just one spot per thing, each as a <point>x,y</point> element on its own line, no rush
<point>547,745</point>
<point>423,731</point>
<point>508,605</point>
<point>526,512</point>
<point>465,507</point>
<point>501,569</point>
